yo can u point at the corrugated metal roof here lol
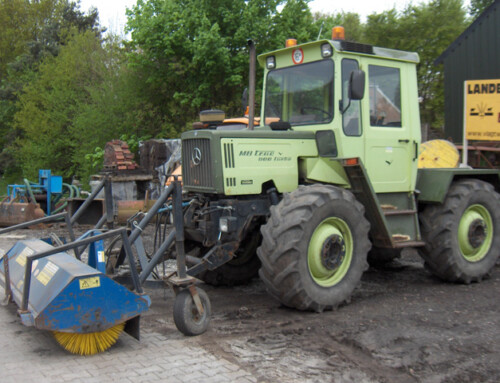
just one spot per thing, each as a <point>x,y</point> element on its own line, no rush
<point>493,7</point>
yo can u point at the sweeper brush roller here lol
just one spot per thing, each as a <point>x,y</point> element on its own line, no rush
<point>84,309</point>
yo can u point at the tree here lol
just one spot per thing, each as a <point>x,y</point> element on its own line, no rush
<point>30,33</point>
<point>477,7</point>
<point>53,109</point>
<point>192,54</point>
<point>427,29</point>
<point>323,24</point>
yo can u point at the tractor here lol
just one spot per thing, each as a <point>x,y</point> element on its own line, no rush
<point>329,182</point>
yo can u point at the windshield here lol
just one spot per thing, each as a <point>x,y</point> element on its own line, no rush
<point>301,94</point>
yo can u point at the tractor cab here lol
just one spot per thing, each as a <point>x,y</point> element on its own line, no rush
<point>367,96</point>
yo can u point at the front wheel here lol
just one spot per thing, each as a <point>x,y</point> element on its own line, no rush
<point>462,234</point>
<point>187,319</point>
<point>314,247</point>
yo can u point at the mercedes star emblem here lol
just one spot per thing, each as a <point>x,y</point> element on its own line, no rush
<point>196,156</point>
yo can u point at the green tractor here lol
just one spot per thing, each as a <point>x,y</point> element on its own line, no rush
<point>329,181</point>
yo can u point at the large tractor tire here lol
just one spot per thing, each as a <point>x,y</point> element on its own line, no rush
<point>314,248</point>
<point>241,269</point>
<point>462,234</point>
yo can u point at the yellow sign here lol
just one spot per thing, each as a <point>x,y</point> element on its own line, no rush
<point>89,283</point>
<point>482,110</point>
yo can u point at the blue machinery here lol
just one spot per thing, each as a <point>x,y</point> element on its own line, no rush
<point>85,308</point>
<point>50,186</point>
<point>31,200</point>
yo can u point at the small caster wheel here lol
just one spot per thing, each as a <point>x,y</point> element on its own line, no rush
<point>186,316</point>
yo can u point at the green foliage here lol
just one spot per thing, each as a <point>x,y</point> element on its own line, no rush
<point>96,158</point>
<point>57,113</point>
<point>30,32</point>
<point>476,7</point>
<point>428,29</point>
<point>133,141</point>
<point>323,24</point>
<point>65,91</point>
<point>193,54</point>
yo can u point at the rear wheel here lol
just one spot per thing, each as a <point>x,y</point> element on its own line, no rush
<point>462,234</point>
<point>314,247</point>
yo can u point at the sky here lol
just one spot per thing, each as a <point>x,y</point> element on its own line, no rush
<point>112,12</point>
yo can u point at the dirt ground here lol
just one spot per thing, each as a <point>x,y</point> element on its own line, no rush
<point>402,325</point>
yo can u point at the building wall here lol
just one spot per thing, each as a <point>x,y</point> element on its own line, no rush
<point>475,55</point>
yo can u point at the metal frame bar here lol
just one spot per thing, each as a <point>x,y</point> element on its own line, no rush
<point>179,229</point>
<point>177,234</point>
<point>8,289</point>
<point>108,199</point>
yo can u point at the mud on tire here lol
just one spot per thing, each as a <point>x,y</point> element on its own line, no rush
<point>314,247</point>
<point>462,233</point>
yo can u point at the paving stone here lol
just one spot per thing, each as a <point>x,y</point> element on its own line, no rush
<point>32,355</point>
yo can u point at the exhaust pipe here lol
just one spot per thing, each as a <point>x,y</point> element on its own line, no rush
<point>251,85</point>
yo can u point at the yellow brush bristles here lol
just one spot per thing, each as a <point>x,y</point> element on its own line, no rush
<point>91,343</point>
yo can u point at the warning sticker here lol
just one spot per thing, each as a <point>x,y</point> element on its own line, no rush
<point>47,273</point>
<point>89,283</point>
<point>100,256</point>
<point>21,258</point>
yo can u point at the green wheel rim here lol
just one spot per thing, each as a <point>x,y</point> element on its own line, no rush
<point>330,230</point>
<point>475,233</point>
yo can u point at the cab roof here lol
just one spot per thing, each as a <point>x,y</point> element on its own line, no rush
<point>347,46</point>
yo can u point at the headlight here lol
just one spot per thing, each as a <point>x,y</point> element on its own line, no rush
<point>326,50</point>
<point>227,224</point>
<point>271,62</point>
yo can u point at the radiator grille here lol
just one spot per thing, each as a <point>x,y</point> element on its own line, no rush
<point>228,156</point>
<point>197,163</point>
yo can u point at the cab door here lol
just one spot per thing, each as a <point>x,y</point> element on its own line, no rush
<point>390,148</point>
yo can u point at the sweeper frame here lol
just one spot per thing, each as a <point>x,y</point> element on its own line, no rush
<point>85,308</point>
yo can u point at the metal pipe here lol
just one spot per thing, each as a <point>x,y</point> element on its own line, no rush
<point>32,223</point>
<point>87,202</point>
<point>71,233</point>
<point>151,213</point>
<point>179,229</point>
<point>157,257</point>
<point>101,222</point>
<point>131,261</point>
<point>251,85</point>
<point>8,290</point>
<point>108,200</point>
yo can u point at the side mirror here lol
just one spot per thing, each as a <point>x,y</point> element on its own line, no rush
<point>357,85</point>
<point>356,90</point>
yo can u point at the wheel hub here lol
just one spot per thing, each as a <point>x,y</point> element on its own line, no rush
<point>477,233</point>
<point>333,252</point>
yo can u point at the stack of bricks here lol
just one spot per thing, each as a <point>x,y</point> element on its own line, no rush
<point>117,156</point>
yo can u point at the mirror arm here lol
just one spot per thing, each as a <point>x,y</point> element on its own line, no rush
<point>341,106</point>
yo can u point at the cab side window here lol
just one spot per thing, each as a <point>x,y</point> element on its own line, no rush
<point>351,119</point>
<point>385,96</point>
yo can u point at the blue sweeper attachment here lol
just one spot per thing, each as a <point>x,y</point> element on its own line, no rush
<point>85,309</point>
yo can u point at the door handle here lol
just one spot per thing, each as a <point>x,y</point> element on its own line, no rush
<point>415,143</point>
<point>404,141</point>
